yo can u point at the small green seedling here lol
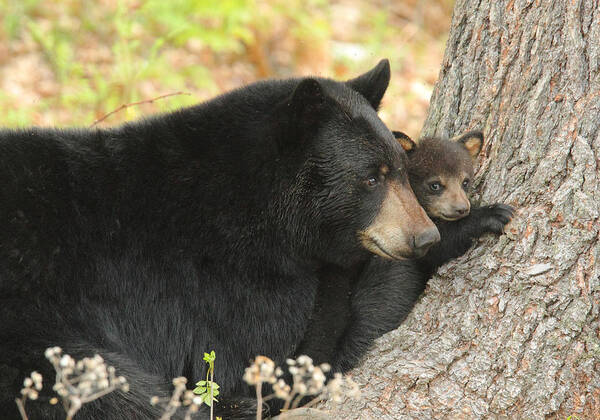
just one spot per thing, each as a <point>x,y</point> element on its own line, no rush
<point>208,389</point>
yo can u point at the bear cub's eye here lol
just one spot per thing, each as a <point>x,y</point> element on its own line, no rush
<point>435,186</point>
<point>465,183</point>
<point>371,181</point>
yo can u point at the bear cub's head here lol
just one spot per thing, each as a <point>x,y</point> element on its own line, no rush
<point>441,171</point>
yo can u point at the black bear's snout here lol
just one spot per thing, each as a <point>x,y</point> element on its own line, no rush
<point>425,240</point>
<point>463,211</point>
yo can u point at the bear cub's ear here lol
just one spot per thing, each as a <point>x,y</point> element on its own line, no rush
<point>373,84</point>
<point>406,142</point>
<point>472,141</point>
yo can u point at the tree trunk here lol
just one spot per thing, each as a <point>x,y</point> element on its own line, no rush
<point>510,330</point>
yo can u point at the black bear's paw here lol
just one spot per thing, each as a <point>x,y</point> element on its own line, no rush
<point>496,216</point>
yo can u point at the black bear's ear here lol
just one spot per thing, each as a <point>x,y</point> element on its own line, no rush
<point>307,99</point>
<point>406,142</point>
<point>472,141</point>
<point>373,84</point>
<point>305,110</point>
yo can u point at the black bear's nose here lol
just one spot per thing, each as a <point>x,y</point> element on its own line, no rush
<point>462,211</point>
<point>423,241</point>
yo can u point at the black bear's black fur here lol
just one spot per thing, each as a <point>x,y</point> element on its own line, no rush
<point>203,229</point>
<point>351,312</point>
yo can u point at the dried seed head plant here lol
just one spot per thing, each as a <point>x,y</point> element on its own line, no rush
<point>31,387</point>
<point>181,397</point>
<point>81,381</point>
<point>308,380</point>
<point>77,382</point>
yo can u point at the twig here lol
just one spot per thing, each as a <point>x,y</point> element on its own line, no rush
<point>259,401</point>
<point>145,101</point>
<point>21,409</point>
<point>212,401</point>
<point>289,400</point>
<point>269,397</point>
<point>174,402</point>
<point>314,401</point>
<point>297,400</point>
<point>98,394</point>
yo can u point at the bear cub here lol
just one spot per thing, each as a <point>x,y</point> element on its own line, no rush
<point>440,173</point>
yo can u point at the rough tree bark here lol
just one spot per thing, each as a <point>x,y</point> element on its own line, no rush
<point>510,330</point>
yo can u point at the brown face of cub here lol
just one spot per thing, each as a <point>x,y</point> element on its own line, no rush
<point>440,172</point>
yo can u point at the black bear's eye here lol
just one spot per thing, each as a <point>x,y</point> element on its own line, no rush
<point>371,181</point>
<point>465,183</point>
<point>435,186</point>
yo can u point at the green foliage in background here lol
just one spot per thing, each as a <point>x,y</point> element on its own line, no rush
<point>137,34</point>
<point>105,53</point>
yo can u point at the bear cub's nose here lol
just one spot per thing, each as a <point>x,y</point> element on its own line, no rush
<point>423,241</point>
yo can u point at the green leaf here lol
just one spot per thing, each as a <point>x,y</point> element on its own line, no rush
<point>206,399</point>
<point>209,358</point>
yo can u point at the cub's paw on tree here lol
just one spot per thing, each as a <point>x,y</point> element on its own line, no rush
<point>493,218</point>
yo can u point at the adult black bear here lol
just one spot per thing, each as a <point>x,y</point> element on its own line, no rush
<point>203,229</point>
<point>349,313</point>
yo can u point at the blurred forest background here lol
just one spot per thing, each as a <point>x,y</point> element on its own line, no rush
<point>70,62</point>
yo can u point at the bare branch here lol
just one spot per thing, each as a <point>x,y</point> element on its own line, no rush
<point>145,101</point>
